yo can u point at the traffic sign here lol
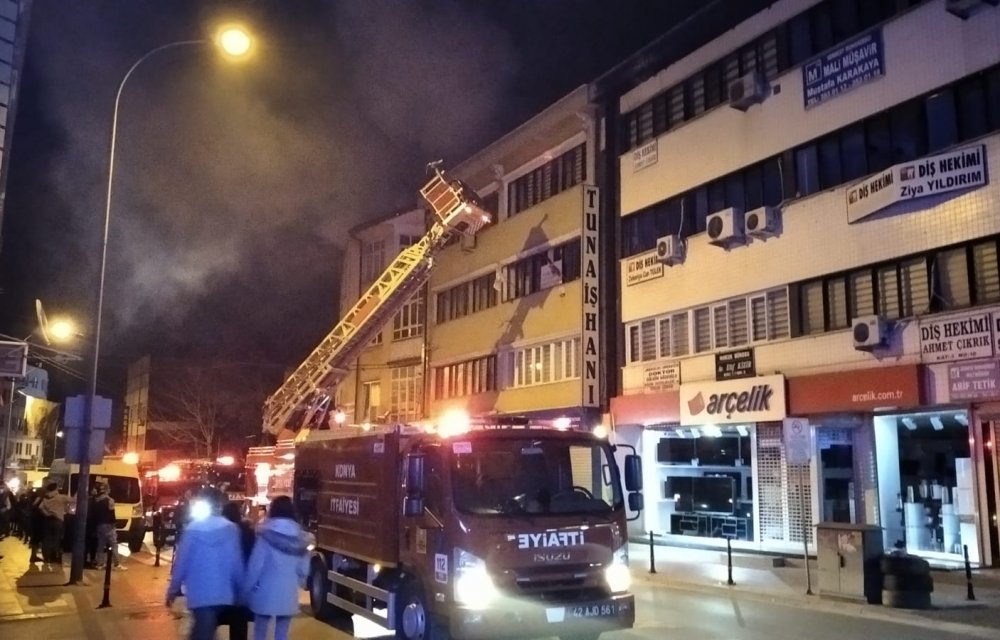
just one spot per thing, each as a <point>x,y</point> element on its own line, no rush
<point>13,359</point>
<point>76,409</point>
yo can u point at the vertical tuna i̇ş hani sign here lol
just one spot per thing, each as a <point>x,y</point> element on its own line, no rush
<point>838,71</point>
<point>590,334</point>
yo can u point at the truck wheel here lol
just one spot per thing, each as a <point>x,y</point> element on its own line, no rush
<point>319,586</point>
<point>135,539</point>
<point>413,619</point>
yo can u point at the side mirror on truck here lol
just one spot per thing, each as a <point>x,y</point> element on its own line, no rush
<point>413,502</point>
<point>633,472</point>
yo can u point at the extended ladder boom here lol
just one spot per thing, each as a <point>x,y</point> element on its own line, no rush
<point>310,387</point>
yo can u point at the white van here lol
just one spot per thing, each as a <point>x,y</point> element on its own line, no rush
<point>123,484</point>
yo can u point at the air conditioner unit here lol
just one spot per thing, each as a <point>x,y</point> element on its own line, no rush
<point>670,250</point>
<point>747,90</point>
<point>763,222</point>
<point>725,228</point>
<point>869,332</point>
<point>468,242</point>
<point>965,8</point>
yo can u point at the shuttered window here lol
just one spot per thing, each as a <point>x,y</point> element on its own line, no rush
<point>758,319</point>
<point>987,275</point>
<point>862,300</point>
<point>681,338</point>
<point>777,315</point>
<point>812,307</point>
<point>702,330</point>
<point>888,292</point>
<point>836,304</point>
<point>951,279</point>
<point>720,326</point>
<point>665,337</point>
<point>648,340</point>
<point>738,332</point>
<point>915,287</point>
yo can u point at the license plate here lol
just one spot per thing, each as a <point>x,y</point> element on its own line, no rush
<point>593,611</point>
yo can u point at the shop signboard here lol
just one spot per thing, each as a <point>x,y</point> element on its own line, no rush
<point>13,359</point>
<point>757,399</point>
<point>974,380</point>
<point>643,267</point>
<point>645,156</point>
<point>661,377</point>
<point>731,365</point>
<point>960,169</point>
<point>798,440</point>
<point>959,336</point>
<point>855,390</point>
<point>857,62</point>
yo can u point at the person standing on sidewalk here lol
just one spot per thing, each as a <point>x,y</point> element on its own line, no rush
<point>278,567</point>
<point>104,520</point>
<point>53,510</point>
<point>208,564</point>
<point>238,617</point>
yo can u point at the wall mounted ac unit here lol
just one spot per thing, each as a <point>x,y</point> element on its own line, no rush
<point>726,228</point>
<point>468,242</point>
<point>747,90</point>
<point>763,222</point>
<point>965,8</point>
<point>869,332</point>
<point>670,250</point>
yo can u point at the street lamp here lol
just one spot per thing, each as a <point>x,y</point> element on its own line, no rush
<point>235,43</point>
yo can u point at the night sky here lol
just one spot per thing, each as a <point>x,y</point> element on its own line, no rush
<point>235,184</point>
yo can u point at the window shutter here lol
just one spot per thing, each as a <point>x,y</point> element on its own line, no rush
<point>648,339</point>
<point>681,338</point>
<point>702,329</point>
<point>888,292</point>
<point>986,273</point>
<point>916,292</point>
<point>720,321</point>
<point>777,314</point>
<point>860,292</point>
<point>836,293</point>
<point>665,338</point>
<point>812,307</point>
<point>758,319</point>
<point>633,344</point>
<point>738,322</point>
<point>952,279</point>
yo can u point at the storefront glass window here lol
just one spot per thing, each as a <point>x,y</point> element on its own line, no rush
<point>926,485</point>
<point>704,481</point>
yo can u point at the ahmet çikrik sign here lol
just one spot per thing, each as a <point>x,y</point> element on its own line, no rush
<point>959,169</point>
<point>838,71</point>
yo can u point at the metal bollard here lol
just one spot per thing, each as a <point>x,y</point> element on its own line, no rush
<point>729,560</point>
<point>969,594</point>
<point>108,561</point>
<point>652,559</point>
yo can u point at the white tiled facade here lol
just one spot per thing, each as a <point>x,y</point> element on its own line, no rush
<point>926,49</point>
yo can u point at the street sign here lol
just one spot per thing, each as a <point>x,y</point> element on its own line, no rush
<point>76,409</point>
<point>74,452</point>
<point>798,440</point>
<point>13,359</point>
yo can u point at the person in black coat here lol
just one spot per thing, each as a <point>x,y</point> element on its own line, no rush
<point>238,617</point>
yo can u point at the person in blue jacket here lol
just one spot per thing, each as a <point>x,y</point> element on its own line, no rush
<point>277,569</point>
<point>208,565</point>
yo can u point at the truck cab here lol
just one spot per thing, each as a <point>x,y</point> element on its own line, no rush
<point>486,534</point>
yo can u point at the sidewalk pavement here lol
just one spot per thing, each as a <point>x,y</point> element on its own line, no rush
<point>695,569</point>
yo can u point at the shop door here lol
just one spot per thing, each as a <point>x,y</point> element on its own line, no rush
<point>991,464</point>
<point>836,475</point>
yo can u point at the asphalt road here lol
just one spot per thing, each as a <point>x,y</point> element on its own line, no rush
<point>663,614</point>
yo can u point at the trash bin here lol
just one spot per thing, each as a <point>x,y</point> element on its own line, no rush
<point>848,558</point>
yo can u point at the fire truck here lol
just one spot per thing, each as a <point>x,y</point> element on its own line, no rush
<point>448,529</point>
<point>168,487</point>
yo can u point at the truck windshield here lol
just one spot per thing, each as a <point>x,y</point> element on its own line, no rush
<point>121,488</point>
<point>537,476</point>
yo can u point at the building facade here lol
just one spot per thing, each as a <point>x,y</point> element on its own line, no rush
<point>29,420</point>
<point>809,278</point>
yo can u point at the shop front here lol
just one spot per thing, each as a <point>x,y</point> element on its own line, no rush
<point>894,449</point>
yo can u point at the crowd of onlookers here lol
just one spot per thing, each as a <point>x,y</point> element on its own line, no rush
<point>37,517</point>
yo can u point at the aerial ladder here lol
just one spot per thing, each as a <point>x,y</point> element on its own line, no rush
<point>304,399</point>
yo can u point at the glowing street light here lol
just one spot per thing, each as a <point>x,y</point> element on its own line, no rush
<point>62,329</point>
<point>234,46</point>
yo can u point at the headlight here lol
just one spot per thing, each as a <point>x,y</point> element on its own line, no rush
<point>617,574</point>
<point>200,509</point>
<point>474,587</point>
<point>137,511</point>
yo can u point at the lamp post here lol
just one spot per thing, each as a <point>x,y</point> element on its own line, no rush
<point>236,43</point>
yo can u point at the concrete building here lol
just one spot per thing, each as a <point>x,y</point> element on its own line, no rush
<point>809,282</point>
<point>29,420</point>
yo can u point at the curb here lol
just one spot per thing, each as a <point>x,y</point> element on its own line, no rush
<point>874,612</point>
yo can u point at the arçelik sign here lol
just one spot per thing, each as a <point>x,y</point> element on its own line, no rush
<point>757,399</point>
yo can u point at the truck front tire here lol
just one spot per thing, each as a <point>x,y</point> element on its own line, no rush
<point>414,620</point>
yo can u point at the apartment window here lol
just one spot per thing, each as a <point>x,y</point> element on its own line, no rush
<point>371,399</point>
<point>478,375</point>
<point>836,304</point>
<point>942,122</point>
<point>702,330</point>
<point>542,270</point>
<point>372,261</point>
<point>409,321</point>
<point>914,286</point>
<point>986,277</point>
<point>405,392</point>
<point>551,362</point>
<point>550,179</point>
